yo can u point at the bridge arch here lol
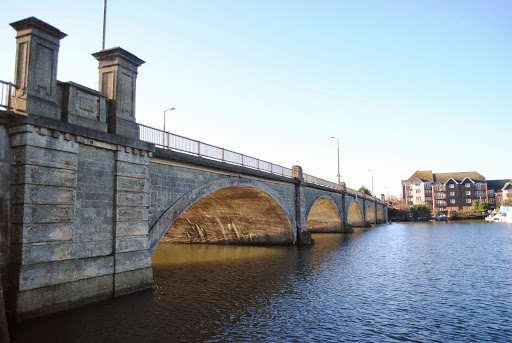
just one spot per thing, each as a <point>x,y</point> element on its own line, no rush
<point>324,216</point>
<point>355,215</point>
<point>380,214</point>
<point>370,213</point>
<point>220,212</point>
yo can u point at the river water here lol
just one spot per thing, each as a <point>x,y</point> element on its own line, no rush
<point>414,282</point>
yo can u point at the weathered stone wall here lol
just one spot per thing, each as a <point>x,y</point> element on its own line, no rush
<point>79,211</point>
<point>5,191</point>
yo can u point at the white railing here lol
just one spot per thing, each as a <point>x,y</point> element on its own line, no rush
<point>6,95</point>
<point>167,140</point>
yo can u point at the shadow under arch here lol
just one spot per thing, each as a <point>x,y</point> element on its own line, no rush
<point>324,216</point>
<point>370,214</point>
<point>226,211</point>
<point>380,215</point>
<point>355,215</point>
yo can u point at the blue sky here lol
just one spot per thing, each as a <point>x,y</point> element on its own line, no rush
<point>405,85</point>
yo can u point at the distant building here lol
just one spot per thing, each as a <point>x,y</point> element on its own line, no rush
<point>453,191</point>
<point>500,192</point>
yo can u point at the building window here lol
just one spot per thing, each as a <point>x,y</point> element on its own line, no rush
<point>491,192</point>
<point>479,194</point>
<point>452,201</point>
<point>499,199</point>
<point>454,208</point>
<point>467,185</point>
<point>452,194</point>
<point>491,200</point>
<point>451,185</point>
<point>439,188</point>
<point>468,192</point>
<point>428,199</point>
<point>427,185</point>
<point>418,198</point>
<point>468,201</point>
<point>478,186</point>
<point>418,191</point>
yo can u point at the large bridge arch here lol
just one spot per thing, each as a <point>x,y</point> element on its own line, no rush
<point>324,216</point>
<point>227,206</point>
<point>355,214</point>
<point>370,213</point>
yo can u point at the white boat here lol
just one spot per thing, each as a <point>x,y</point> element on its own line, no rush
<point>498,217</point>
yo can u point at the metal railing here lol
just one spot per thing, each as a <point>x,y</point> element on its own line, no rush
<point>6,95</point>
<point>167,140</point>
<point>321,182</point>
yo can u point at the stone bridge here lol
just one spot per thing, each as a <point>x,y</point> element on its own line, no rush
<point>84,201</point>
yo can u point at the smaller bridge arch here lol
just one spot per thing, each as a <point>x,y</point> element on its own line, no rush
<point>380,214</point>
<point>355,214</point>
<point>324,216</point>
<point>370,213</point>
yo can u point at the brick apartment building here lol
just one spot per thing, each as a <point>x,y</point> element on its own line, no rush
<point>447,192</point>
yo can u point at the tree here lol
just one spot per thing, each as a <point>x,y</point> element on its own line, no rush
<point>485,206</point>
<point>364,190</point>
<point>420,211</point>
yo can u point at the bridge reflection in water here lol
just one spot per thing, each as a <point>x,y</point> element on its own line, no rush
<point>407,282</point>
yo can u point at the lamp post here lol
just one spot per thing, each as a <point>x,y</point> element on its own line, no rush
<point>338,143</point>
<point>371,170</point>
<point>164,133</point>
<point>170,109</point>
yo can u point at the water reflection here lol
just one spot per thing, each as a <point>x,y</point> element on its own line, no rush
<point>411,282</point>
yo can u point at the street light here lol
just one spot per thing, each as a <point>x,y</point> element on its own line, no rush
<point>338,142</point>
<point>164,133</point>
<point>370,170</point>
<point>170,109</point>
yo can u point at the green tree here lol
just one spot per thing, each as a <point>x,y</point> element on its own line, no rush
<point>474,205</point>
<point>485,206</point>
<point>364,190</point>
<point>420,211</point>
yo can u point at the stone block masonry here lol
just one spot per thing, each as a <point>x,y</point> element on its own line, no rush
<point>78,216</point>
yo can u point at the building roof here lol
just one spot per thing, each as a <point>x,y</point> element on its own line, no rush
<point>497,184</point>
<point>459,176</point>
<point>425,175</point>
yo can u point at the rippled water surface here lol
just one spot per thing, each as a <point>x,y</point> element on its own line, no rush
<point>431,282</point>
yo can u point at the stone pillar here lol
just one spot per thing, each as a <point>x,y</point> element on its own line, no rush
<point>303,236</point>
<point>383,198</point>
<point>118,75</point>
<point>37,48</point>
<point>132,257</point>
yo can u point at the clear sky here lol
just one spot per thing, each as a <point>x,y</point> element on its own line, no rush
<point>405,85</point>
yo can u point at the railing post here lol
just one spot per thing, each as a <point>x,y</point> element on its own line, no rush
<point>242,160</point>
<point>222,154</point>
<point>9,97</point>
<point>199,148</point>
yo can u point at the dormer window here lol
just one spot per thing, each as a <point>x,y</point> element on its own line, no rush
<point>467,185</point>
<point>451,185</point>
